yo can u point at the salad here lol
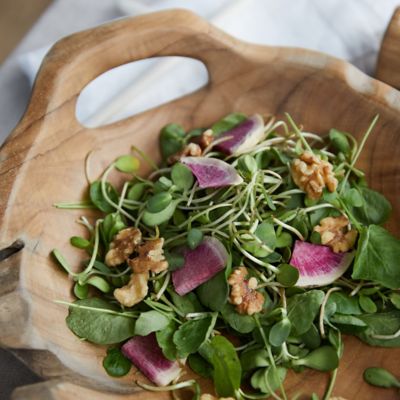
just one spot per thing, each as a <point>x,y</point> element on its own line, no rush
<point>247,252</point>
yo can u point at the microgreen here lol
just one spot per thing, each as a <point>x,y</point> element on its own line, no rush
<point>115,363</point>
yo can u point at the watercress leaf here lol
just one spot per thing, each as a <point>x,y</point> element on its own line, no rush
<point>192,334</point>
<point>227,371</point>
<point>280,332</point>
<point>303,308</point>
<point>344,303</point>
<point>239,322</point>
<point>284,240</point>
<point>97,326</point>
<point>367,304</point>
<point>254,358</point>
<point>214,293</point>
<point>377,257</point>
<point>97,198</point>
<point>81,291</point>
<point>375,209</point>
<point>150,321</point>
<point>265,232</point>
<point>267,380</point>
<point>182,176</point>
<point>136,191</point>
<point>165,340</point>
<point>288,275</point>
<point>99,283</point>
<point>227,123</point>
<point>172,139</point>
<point>311,338</point>
<point>115,363</point>
<point>348,323</point>
<point>157,218</point>
<point>175,260</point>
<point>325,358</point>
<point>380,377</point>
<point>395,299</point>
<point>385,323</point>
<point>159,202</point>
<point>188,303</point>
<point>353,198</point>
<point>199,365</point>
<point>127,163</point>
<point>79,242</point>
<point>339,141</point>
<point>194,238</point>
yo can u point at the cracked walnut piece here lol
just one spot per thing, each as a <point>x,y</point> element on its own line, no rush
<point>243,294</point>
<point>123,245</point>
<point>311,174</point>
<point>135,291</point>
<point>335,233</point>
<point>150,258</point>
<point>191,150</point>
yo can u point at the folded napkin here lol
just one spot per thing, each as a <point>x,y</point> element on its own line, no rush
<point>351,30</point>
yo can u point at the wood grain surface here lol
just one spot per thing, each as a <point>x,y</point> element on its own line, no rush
<point>42,163</point>
<point>388,66</point>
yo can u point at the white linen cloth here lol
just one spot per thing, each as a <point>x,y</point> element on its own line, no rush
<point>351,30</point>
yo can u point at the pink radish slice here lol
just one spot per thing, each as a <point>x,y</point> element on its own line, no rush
<point>146,354</point>
<point>201,264</point>
<point>243,137</point>
<point>211,172</point>
<point>318,265</point>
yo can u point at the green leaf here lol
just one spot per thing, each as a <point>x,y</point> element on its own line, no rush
<point>182,176</point>
<point>110,226</point>
<point>175,260</point>
<point>227,371</point>
<point>267,380</point>
<point>165,340</point>
<point>254,358</point>
<point>239,322</point>
<point>378,253</point>
<point>284,240</point>
<point>303,308</point>
<point>192,334</point>
<point>81,291</point>
<point>385,323</point>
<point>311,338</point>
<point>395,299</point>
<point>227,123</point>
<point>380,377</point>
<point>339,141</point>
<point>280,332</point>
<point>188,303</point>
<point>199,365</point>
<point>353,198</point>
<point>214,293</point>
<point>115,363</point>
<point>247,166</point>
<point>153,219</point>
<point>324,359</point>
<point>265,232</point>
<point>159,202</point>
<point>96,326</point>
<point>288,275</point>
<point>194,238</point>
<point>79,242</point>
<point>375,209</point>
<point>348,323</point>
<point>150,321</point>
<point>172,139</point>
<point>367,304</point>
<point>99,283</point>
<point>127,164</point>
<point>344,303</point>
<point>97,198</point>
<point>136,191</point>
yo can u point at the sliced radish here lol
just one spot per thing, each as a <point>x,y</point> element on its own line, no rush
<point>318,265</point>
<point>201,264</point>
<point>211,172</point>
<point>243,137</point>
<point>147,355</point>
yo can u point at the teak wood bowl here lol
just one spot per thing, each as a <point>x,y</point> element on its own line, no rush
<point>42,163</point>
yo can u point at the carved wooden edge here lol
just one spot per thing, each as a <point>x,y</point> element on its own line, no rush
<point>388,65</point>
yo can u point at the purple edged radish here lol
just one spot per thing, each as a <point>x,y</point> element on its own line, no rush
<point>201,264</point>
<point>318,265</point>
<point>242,137</point>
<point>147,356</point>
<point>211,172</point>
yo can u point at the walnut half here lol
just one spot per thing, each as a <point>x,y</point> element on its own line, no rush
<point>243,292</point>
<point>150,258</point>
<point>311,174</point>
<point>335,233</point>
<point>123,245</point>
<point>135,291</point>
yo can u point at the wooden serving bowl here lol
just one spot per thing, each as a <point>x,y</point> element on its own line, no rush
<point>42,163</point>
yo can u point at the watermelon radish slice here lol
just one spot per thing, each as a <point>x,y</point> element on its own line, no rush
<point>146,354</point>
<point>211,172</point>
<point>243,137</point>
<point>318,265</point>
<point>201,264</point>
